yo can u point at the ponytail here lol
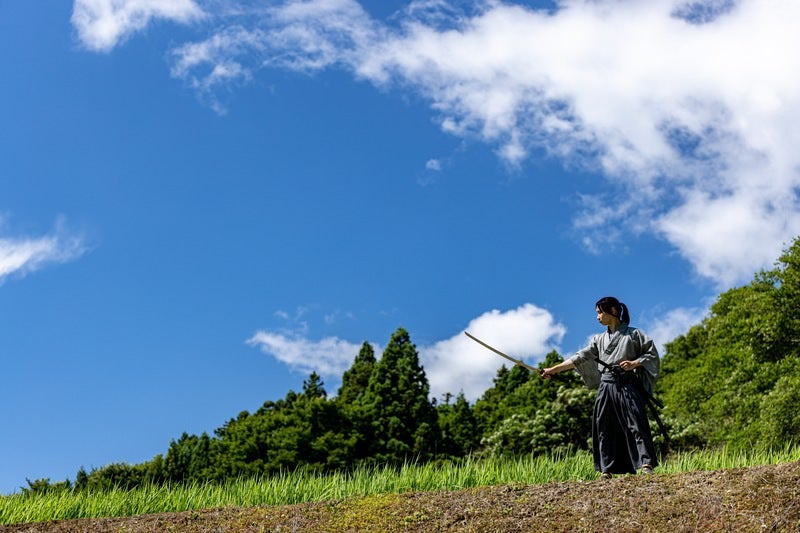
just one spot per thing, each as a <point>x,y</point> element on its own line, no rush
<point>624,316</point>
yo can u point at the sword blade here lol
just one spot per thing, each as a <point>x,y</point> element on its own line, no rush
<point>498,352</point>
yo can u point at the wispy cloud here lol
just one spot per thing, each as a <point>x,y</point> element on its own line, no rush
<point>328,357</point>
<point>434,165</point>
<point>688,108</point>
<point>23,255</point>
<point>208,65</point>
<point>452,365</point>
<point>103,24</point>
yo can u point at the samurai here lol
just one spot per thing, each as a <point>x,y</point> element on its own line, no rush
<point>622,363</point>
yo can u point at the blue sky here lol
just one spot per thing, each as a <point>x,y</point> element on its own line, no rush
<point>203,201</point>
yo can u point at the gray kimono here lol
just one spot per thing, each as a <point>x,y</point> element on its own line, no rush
<point>632,345</point>
<point>621,439</point>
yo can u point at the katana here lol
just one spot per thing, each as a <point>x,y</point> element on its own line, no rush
<point>501,354</point>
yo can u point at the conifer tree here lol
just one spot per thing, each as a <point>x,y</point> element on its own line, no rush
<point>403,421</point>
<point>458,426</point>
<point>314,388</point>
<point>356,378</point>
<point>356,429</point>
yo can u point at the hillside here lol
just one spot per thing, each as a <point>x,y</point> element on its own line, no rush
<point>764,498</point>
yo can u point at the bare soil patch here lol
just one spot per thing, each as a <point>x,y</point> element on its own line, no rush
<point>765,498</point>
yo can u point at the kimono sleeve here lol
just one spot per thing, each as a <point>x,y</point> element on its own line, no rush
<point>586,365</point>
<point>648,357</point>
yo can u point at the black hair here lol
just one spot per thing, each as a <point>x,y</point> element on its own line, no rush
<point>612,306</point>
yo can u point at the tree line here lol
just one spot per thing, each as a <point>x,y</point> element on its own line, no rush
<point>733,379</point>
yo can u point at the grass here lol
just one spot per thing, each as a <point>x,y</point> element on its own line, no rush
<point>300,487</point>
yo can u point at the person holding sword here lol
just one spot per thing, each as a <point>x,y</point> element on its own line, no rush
<point>622,363</point>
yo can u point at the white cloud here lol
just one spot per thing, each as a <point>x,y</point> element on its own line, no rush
<point>688,108</point>
<point>720,234</point>
<point>672,324</point>
<point>102,24</point>
<point>460,364</point>
<point>23,255</point>
<point>434,165</point>
<point>328,357</point>
<point>218,53</point>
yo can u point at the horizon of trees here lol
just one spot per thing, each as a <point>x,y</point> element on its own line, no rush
<point>733,379</point>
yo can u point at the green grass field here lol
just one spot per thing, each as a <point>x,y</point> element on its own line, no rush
<point>298,487</point>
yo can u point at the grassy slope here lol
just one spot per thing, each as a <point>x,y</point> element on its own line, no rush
<point>763,498</point>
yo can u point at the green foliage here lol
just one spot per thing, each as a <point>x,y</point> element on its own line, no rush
<point>780,416</point>
<point>501,400</point>
<point>43,486</point>
<point>516,399</point>
<point>564,424</point>
<point>302,430</point>
<point>403,421</point>
<point>119,476</point>
<point>356,426</point>
<point>733,378</point>
<point>513,437</point>
<point>190,457</point>
<point>458,427</point>
<point>356,378</point>
<point>560,426</point>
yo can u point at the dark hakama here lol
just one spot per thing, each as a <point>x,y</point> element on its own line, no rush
<point>621,439</point>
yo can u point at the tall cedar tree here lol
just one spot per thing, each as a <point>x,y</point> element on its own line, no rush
<point>356,427</point>
<point>356,378</point>
<point>403,422</point>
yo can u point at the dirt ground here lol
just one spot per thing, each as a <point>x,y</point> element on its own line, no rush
<point>763,498</point>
